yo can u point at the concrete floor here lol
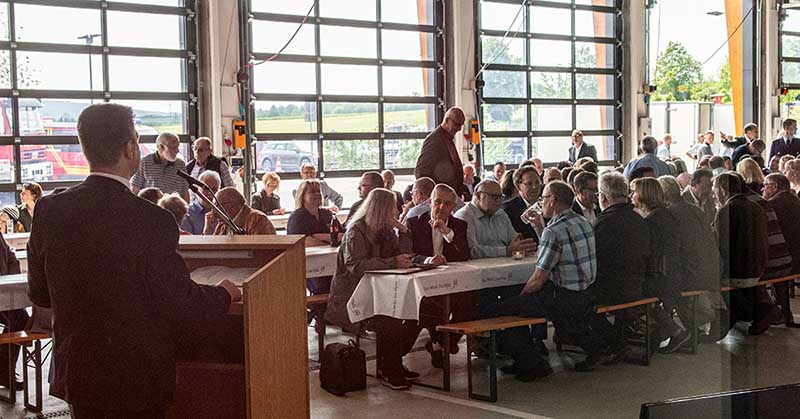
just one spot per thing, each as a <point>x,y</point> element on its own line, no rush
<point>738,362</point>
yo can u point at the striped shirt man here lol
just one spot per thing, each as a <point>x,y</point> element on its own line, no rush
<point>779,260</point>
<point>158,173</point>
<point>567,251</point>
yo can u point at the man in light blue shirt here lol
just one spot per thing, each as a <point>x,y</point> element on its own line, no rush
<point>648,159</point>
<point>489,231</point>
<point>196,216</point>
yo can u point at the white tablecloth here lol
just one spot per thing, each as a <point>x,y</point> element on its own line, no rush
<point>14,292</point>
<point>399,296</point>
<point>321,261</point>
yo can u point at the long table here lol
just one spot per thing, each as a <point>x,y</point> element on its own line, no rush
<point>280,221</point>
<point>14,292</point>
<point>399,296</point>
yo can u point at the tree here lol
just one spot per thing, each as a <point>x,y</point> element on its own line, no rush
<point>677,73</point>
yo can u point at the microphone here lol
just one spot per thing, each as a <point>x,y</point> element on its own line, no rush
<point>191,180</point>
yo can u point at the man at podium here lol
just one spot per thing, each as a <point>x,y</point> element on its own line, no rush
<point>106,262</point>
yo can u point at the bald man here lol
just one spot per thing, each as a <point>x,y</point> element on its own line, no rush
<point>253,222</point>
<point>439,158</point>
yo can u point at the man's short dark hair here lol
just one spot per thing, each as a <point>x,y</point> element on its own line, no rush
<point>104,130</point>
<point>562,164</point>
<point>590,166</point>
<point>699,174</point>
<point>374,178</point>
<point>716,162</point>
<point>562,192</point>
<point>649,144</point>
<point>522,171</point>
<point>780,180</point>
<point>499,163</point>
<point>788,121</point>
<point>759,144</point>
<point>641,172</point>
<point>570,179</point>
<point>582,180</point>
<point>731,182</point>
<point>750,127</point>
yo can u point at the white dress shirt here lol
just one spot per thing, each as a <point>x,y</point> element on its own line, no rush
<point>438,242</point>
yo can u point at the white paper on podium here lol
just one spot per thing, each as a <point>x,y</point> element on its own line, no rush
<point>211,275</point>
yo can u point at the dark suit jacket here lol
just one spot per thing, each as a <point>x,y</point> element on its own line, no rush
<point>741,227</point>
<point>622,240</point>
<point>514,208</point>
<point>787,208</point>
<point>779,148</point>
<point>422,238</point>
<point>576,208</point>
<point>434,161</point>
<point>587,150</point>
<point>107,263</point>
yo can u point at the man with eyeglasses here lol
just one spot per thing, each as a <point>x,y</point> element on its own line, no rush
<point>309,172</point>
<point>777,190</point>
<point>253,222</point>
<point>526,179</point>
<point>585,204</point>
<point>580,149</point>
<point>368,182</point>
<point>489,231</point>
<point>159,169</point>
<point>204,159</point>
<point>199,218</point>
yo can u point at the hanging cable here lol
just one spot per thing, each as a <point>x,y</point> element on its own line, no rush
<point>277,54</point>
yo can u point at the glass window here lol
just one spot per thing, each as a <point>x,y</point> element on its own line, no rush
<point>408,81</point>
<point>348,9</point>
<point>284,156</point>
<point>595,117</point>
<point>6,120</point>
<point>502,117</point>
<point>339,79</point>
<point>282,77</point>
<point>125,74</point>
<point>282,7</point>
<point>790,72</point>
<point>790,46</point>
<point>555,149</point>
<point>546,85</point>
<point>547,53</point>
<point>607,3</point>
<point>407,45</point>
<point>153,117</point>
<point>594,55</point>
<point>551,117</point>
<point>495,50</point>
<point>154,2</point>
<point>506,150</point>
<point>594,24</point>
<point>58,116</point>
<point>594,86</point>
<point>349,117</point>
<point>550,20</point>
<point>163,31</point>
<point>402,117</point>
<point>35,23</point>
<point>272,36</point>
<point>351,155</point>
<point>401,154</point>
<point>4,35</point>
<point>342,41</point>
<point>60,71</point>
<point>6,168</point>
<point>288,117</point>
<point>5,71</point>
<point>504,84</point>
<point>792,21</point>
<point>407,11</point>
<point>501,17</point>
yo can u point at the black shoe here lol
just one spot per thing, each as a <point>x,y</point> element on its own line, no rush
<point>791,324</point>
<point>409,375</point>
<point>511,369</point>
<point>437,358</point>
<point>676,342</point>
<point>541,349</point>
<point>761,325</point>
<point>615,356</point>
<point>395,383</point>
<point>588,364</point>
<point>540,371</point>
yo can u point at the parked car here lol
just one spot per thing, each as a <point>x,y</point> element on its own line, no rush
<point>281,156</point>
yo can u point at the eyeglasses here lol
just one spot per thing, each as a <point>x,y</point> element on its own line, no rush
<point>546,196</point>
<point>491,195</point>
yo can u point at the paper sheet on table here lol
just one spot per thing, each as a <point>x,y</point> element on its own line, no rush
<point>211,275</point>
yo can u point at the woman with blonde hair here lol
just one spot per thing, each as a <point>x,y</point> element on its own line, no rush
<point>662,279</point>
<point>268,201</point>
<point>371,243</point>
<point>752,174</point>
<point>792,171</point>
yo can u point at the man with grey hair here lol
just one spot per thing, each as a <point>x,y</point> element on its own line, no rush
<point>420,198</point>
<point>200,219</point>
<point>159,169</point>
<point>204,159</point>
<point>489,231</point>
<point>438,159</point>
<point>648,159</point>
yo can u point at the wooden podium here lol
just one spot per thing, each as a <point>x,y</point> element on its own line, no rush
<point>254,364</point>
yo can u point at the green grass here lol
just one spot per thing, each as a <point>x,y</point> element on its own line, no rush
<point>357,122</point>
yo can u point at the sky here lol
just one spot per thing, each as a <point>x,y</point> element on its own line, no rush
<point>686,21</point>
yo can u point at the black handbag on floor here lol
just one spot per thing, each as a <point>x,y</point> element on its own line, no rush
<point>343,368</point>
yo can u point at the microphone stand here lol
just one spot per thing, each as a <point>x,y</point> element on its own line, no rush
<point>232,227</point>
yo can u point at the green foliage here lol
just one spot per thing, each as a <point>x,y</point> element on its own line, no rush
<point>676,67</point>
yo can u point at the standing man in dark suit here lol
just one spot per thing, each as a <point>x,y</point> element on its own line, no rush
<point>438,238</point>
<point>439,158</point>
<point>585,204</point>
<point>787,144</point>
<point>121,296</point>
<point>526,179</point>
<point>580,149</point>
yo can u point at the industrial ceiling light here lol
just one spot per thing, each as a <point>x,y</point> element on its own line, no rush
<point>715,13</point>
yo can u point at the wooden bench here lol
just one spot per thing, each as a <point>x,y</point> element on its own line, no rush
<point>319,320</point>
<point>490,326</point>
<point>31,358</point>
